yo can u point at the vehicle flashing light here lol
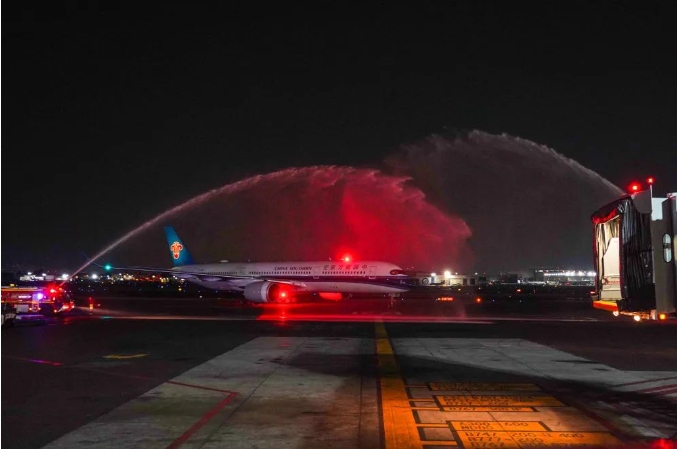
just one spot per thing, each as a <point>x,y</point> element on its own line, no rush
<point>662,316</point>
<point>40,296</point>
<point>478,300</point>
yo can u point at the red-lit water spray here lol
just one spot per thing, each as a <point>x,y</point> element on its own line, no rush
<point>311,213</point>
<point>476,200</point>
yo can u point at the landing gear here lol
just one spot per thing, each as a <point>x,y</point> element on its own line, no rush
<point>394,299</point>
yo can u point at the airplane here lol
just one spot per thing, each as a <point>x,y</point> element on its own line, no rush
<point>283,281</point>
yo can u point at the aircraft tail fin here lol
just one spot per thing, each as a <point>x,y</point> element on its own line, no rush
<point>178,251</point>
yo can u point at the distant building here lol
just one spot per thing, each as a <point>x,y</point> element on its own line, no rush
<point>564,277</point>
<point>445,279</point>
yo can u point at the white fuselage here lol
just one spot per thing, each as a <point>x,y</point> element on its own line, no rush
<point>312,276</point>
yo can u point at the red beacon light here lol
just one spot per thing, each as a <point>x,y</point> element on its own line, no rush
<point>346,259</point>
<point>650,181</point>
<point>635,187</point>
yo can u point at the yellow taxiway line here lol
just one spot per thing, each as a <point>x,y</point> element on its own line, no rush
<point>400,429</point>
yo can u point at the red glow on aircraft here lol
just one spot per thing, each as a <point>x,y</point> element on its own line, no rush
<point>331,296</point>
<point>635,187</point>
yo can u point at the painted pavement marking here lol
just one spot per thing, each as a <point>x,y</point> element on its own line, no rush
<point>124,356</point>
<point>529,426</point>
<point>473,414</point>
<point>497,401</point>
<point>399,427</point>
<point>488,409</point>
<point>521,440</point>
<point>482,386</point>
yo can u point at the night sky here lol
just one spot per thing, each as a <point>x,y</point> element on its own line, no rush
<point>116,112</point>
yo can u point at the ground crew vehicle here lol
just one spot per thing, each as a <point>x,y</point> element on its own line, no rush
<point>634,255</point>
<point>34,303</point>
<point>8,315</point>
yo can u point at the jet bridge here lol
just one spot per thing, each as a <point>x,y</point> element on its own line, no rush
<point>634,256</point>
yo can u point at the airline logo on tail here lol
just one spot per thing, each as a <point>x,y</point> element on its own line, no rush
<point>176,249</point>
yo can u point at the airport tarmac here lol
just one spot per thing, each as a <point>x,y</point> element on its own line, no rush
<point>413,373</point>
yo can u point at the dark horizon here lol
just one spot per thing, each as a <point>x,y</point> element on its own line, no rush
<point>116,113</point>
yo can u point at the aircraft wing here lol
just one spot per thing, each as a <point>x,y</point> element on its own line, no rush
<point>205,277</point>
<point>182,273</point>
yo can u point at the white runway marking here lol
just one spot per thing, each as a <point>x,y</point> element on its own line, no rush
<point>313,392</point>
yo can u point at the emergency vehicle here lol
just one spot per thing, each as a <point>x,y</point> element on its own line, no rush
<point>33,303</point>
<point>634,242</point>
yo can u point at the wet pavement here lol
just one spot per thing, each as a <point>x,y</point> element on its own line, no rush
<point>415,372</point>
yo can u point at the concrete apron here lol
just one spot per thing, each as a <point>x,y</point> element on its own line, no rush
<point>277,392</point>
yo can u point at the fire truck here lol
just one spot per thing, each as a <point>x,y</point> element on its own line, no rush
<point>33,303</point>
<point>634,251</point>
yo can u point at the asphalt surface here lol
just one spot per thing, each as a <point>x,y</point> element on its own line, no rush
<point>76,368</point>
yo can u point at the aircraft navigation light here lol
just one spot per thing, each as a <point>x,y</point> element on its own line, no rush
<point>634,187</point>
<point>649,181</point>
<point>347,258</point>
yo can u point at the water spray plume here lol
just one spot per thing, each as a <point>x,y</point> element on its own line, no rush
<point>473,201</point>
